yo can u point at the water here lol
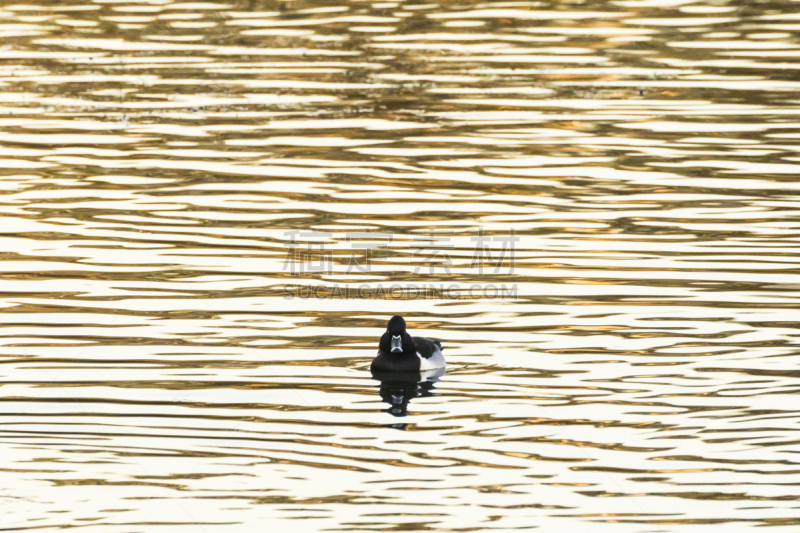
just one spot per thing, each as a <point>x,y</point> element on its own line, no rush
<point>156,375</point>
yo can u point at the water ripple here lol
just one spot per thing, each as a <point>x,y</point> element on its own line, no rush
<point>164,369</point>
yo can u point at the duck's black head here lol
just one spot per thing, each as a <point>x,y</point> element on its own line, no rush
<point>396,326</point>
<point>396,340</point>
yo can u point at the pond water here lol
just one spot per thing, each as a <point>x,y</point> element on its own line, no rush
<point>210,211</point>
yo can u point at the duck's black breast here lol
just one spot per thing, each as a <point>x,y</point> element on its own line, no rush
<point>395,363</point>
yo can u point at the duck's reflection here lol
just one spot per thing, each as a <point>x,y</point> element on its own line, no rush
<point>397,389</point>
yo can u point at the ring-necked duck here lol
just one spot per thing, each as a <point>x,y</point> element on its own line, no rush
<point>400,352</point>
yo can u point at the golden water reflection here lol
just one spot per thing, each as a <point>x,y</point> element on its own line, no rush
<point>163,369</point>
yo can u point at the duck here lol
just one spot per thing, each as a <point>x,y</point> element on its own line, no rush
<point>400,353</point>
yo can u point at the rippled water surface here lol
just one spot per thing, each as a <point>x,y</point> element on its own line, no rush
<point>157,159</point>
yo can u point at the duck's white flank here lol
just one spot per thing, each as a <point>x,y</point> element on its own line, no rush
<point>434,361</point>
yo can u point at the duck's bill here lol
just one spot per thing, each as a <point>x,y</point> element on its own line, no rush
<point>397,344</point>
